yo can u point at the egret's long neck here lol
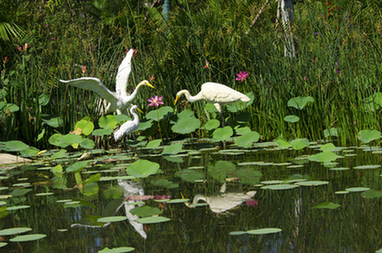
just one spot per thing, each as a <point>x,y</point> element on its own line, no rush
<point>132,95</point>
<point>190,98</point>
<point>135,116</point>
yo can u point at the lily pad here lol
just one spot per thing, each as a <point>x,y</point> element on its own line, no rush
<point>312,183</point>
<point>173,149</point>
<point>247,139</point>
<point>263,231</point>
<point>107,122</point>
<point>151,220</point>
<point>367,136</point>
<point>212,124</point>
<point>279,187</point>
<point>160,113</point>
<point>357,189</point>
<point>238,233</point>
<point>117,250</point>
<point>282,143</point>
<point>154,144</point>
<point>323,157</point>
<point>145,211</point>
<point>223,134</point>
<point>26,238</point>
<point>142,168</point>
<point>327,205</point>
<point>363,167</point>
<point>186,125</point>
<point>299,143</point>
<point>13,146</point>
<point>111,219</point>
<point>13,231</point>
<point>85,125</point>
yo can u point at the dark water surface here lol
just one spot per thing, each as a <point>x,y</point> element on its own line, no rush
<point>224,180</point>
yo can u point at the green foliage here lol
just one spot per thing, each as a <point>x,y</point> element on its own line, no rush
<point>337,65</point>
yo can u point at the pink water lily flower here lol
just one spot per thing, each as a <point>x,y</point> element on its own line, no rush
<point>155,101</point>
<point>241,76</point>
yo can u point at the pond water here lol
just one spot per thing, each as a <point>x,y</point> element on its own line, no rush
<point>202,200</point>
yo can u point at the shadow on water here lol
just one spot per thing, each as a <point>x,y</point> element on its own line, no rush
<point>224,194</point>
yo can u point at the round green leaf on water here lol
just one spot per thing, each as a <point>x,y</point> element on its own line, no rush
<point>212,124</point>
<point>173,149</point>
<point>363,167</point>
<point>263,231</point>
<point>2,244</point>
<point>242,130</point>
<point>299,143</point>
<point>160,113</point>
<point>77,166</point>
<point>54,122</point>
<point>26,238</point>
<point>327,147</point>
<point>247,139</point>
<point>145,124</point>
<point>107,122</point>
<point>87,143</point>
<point>117,250</point>
<point>357,189</point>
<point>282,143</point>
<point>291,118</point>
<point>312,183</point>
<point>323,157</point>
<point>13,146</point>
<point>327,205</point>
<point>102,132</point>
<point>371,194</point>
<point>221,170</point>
<point>367,136</point>
<point>223,134</point>
<point>154,143</point>
<point>13,231</point>
<point>150,220</point>
<point>279,187</point>
<point>85,125</point>
<point>142,168</point>
<point>190,175</point>
<point>186,125</point>
<point>121,118</point>
<point>237,233</point>
<point>111,219</point>
<point>13,208</point>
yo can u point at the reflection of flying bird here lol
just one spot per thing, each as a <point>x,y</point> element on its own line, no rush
<point>215,93</point>
<point>129,126</point>
<point>119,100</point>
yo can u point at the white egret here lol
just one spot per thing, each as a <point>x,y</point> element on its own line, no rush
<point>119,100</point>
<point>215,93</point>
<point>129,126</point>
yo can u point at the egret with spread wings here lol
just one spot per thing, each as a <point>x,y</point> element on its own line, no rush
<point>118,100</point>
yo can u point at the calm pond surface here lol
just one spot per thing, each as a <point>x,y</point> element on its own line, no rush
<point>307,206</point>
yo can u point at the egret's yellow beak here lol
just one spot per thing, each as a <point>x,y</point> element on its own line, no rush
<point>149,84</point>
<point>176,99</point>
<point>139,110</point>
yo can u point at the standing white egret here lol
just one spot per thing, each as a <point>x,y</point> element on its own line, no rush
<point>129,126</point>
<point>119,100</point>
<point>215,93</point>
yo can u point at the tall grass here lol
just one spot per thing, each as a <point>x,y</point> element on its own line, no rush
<point>338,63</point>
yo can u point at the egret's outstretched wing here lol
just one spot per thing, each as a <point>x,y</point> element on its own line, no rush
<point>93,84</point>
<point>124,73</point>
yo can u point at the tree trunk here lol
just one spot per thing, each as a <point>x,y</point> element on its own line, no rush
<point>286,11</point>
